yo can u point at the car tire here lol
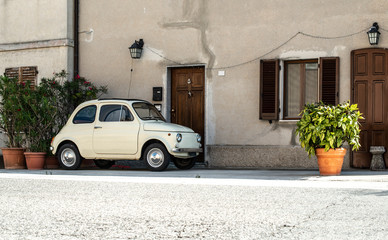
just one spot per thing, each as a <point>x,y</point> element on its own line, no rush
<point>104,164</point>
<point>69,157</point>
<point>184,164</point>
<point>156,157</point>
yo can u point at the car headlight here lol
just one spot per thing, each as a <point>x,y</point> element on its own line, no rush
<point>179,137</point>
<point>199,138</point>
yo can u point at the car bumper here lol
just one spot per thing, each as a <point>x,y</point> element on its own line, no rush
<point>187,150</point>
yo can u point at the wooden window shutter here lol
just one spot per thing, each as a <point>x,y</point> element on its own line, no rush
<point>12,73</point>
<point>269,89</point>
<point>23,74</point>
<point>328,80</point>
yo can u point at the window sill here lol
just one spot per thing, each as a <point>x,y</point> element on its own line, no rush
<point>289,121</point>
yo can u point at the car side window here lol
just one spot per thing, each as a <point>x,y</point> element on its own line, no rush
<point>85,115</point>
<point>115,113</point>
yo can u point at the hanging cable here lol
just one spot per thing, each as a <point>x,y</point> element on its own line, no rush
<point>271,51</point>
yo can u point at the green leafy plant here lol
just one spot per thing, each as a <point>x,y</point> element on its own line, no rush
<point>32,115</point>
<point>327,126</point>
<point>12,119</point>
<point>40,112</point>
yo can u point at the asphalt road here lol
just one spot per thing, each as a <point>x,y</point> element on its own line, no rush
<point>189,205</point>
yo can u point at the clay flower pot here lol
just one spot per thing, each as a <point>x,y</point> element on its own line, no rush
<point>14,158</point>
<point>35,160</point>
<point>51,162</point>
<point>330,162</point>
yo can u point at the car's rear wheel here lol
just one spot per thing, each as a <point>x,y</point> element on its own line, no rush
<point>69,157</point>
<point>184,164</point>
<point>156,157</point>
<point>104,164</point>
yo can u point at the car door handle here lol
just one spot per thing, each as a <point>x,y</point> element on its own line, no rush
<point>95,127</point>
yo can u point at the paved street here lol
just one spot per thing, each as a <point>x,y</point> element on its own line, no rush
<point>194,204</point>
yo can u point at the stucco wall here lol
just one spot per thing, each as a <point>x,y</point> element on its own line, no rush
<point>36,33</point>
<point>230,36</point>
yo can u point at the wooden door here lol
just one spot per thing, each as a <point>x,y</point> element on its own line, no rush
<point>188,98</point>
<point>369,91</point>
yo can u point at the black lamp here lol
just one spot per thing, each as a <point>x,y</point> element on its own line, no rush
<point>136,49</point>
<point>374,34</point>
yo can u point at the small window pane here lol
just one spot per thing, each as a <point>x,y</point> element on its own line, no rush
<point>126,115</point>
<point>114,113</point>
<point>85,115</point>
<point>293,90</point>
<point>311,90</point>
<point>110,113</point>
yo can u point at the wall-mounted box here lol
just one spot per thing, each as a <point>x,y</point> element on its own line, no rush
<point>157,94</point>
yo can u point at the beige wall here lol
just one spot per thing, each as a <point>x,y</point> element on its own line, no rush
<point>221,35</point>
<point>37,33</point>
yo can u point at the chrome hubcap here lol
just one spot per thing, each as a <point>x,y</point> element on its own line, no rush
<point>68,157</point>
<point>155,157</point>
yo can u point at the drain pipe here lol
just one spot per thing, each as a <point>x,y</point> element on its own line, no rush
<point>76,38</point>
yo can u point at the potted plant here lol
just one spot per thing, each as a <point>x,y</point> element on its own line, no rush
<point>12,122</point>
<point>323,129</point>
<point>39,110</point>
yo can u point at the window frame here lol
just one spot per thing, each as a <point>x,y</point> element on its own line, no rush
<point>121,106</point>
<point>271,99</point>
<point>302,79</point>
<point>85,122</point>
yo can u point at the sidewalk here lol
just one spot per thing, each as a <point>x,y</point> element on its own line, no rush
<point>364,179</point>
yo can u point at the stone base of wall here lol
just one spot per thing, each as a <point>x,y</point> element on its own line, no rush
<point>263,157</point>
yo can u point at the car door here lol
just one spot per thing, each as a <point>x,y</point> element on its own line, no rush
<point>116,131</point>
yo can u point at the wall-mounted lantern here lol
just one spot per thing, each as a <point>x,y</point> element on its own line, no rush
<point>136,49</point>
<point>374,34</point>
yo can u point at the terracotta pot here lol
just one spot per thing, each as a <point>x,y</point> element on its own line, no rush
<point>51,162</point>
<point>35,160</point>
<point>14,158</point>
<point>330,162</point>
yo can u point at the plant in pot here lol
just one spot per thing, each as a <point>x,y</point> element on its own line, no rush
<point>12,122</point>
<point>323,129</point>
<point>40,112</point>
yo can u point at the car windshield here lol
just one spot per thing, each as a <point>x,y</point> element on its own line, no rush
<point>147,111</point>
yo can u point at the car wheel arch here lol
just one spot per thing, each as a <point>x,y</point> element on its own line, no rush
<point>149,142</point>
<point>68,142</point>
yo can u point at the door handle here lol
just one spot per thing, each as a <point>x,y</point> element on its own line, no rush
<point>173,110</point>
<point>95,127</point>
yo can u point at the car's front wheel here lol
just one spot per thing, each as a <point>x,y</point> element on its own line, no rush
<point>69,157</point>
<point>156,157</point>
<point>184,164</point>
<point>104,164</point>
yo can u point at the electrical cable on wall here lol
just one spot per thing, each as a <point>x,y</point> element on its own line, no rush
<point>269,52</point>
<point>130,79</point>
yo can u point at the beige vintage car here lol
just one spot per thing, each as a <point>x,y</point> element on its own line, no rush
<point>106,130</point>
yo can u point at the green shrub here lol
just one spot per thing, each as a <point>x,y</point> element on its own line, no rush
<point>327,126</point>
<point>32,115</point>
<point>12,120</point>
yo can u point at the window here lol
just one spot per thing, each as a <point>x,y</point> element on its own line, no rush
<point>147,111</point>
<point>304,81</point>
<point>300,86</point>
<point>85,115</point>
<point>115,113</point>
<point>23,74</point>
